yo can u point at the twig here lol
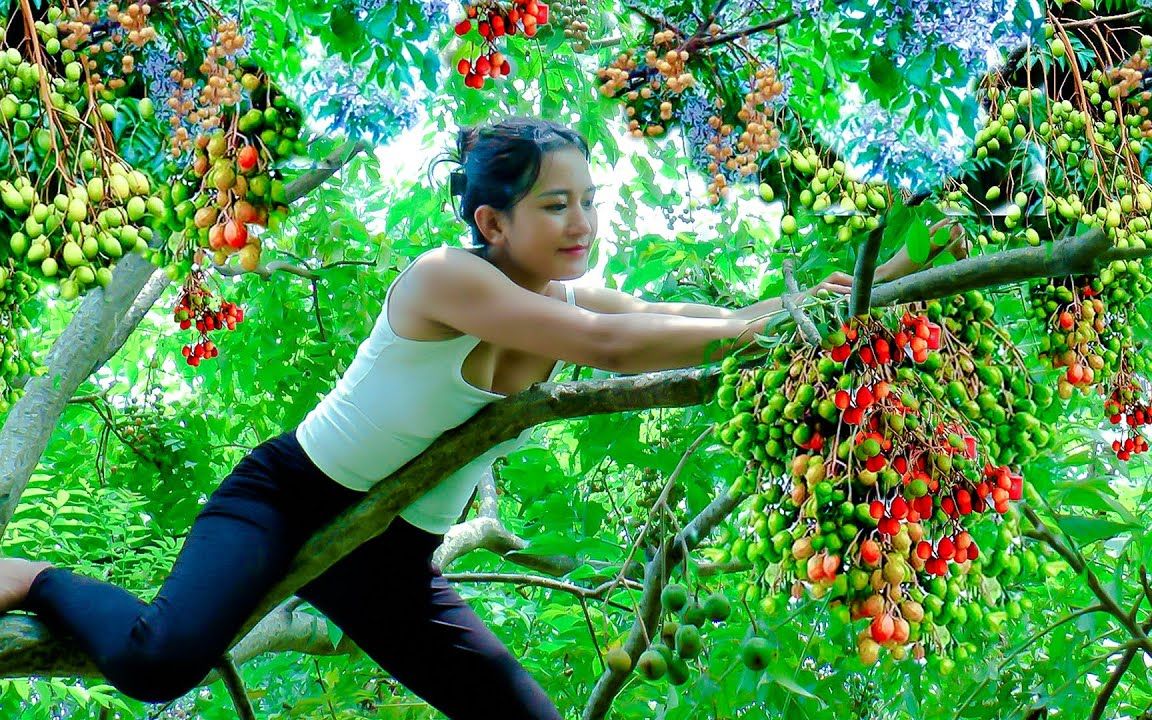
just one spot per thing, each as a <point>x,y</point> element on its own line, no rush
<point>235,684</point>
<point>1101,19</point>
<point>803,322</point>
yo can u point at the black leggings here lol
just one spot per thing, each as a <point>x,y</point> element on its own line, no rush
<point>386,595</point>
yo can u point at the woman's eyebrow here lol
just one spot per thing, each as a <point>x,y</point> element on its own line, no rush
<point>561,191</point>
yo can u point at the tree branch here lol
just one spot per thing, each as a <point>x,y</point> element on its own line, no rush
<point>807,328</point>
<point>235,685</point>
<point>865,272</point>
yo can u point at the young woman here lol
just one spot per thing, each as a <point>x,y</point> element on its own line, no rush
<point>457,330</point>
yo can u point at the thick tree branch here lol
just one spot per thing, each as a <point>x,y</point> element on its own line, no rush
<point>865,273</point>
<point>152,291</point>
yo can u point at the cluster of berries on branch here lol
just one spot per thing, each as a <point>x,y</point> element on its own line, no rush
<point>493,20</point>
<point>1128,406</point>
<point>871,480</point>
<point>196,308</point>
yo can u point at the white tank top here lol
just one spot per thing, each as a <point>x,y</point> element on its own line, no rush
<point>392,402</point>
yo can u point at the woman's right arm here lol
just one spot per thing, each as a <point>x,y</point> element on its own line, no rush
<point>466,293</point>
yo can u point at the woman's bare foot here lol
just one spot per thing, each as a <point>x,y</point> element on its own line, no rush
<point>16,577</point>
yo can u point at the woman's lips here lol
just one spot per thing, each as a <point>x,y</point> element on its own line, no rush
<point>574,251</point>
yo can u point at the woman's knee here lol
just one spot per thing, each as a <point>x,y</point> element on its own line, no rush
<point>158,668</point>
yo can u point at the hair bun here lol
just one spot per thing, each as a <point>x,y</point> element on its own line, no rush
<point>466,140</point>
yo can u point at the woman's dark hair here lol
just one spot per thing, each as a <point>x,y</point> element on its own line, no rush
<point>500,162</point>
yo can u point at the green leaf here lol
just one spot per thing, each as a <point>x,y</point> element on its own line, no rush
<point>1089,530</point>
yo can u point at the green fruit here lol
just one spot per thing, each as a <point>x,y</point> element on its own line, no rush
<point>788,225</point>
<point>146,108</point>
<point>136,208</point>
<point>694,615</point>
<point>755,653</point>
<point>108,112</point>
<point>73,255</point>
<point>652,664</point>
<point>717,607</point>
<point>674,597</point>
<point>49,267</point>
<point>618,660</point>
<point>688,643</point>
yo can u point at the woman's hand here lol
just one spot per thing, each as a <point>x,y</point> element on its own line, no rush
<point>837,283</point>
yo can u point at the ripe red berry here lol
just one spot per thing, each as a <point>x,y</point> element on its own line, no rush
<point>463,27</point>
<point>464,66</point>
<point>882,628</point>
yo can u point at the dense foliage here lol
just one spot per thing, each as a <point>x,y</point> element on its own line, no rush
<point>924,502</point>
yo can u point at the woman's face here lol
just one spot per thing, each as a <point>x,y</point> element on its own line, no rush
<point>559,212</point>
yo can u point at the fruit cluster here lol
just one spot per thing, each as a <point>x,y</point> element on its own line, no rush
<point>1127,406</point>
<point>195,308</point>
<point>78,233</point>
<point>232,184</point>
<point>572,16</point>
<point>492,20</point>
<point>827,196</point>
<point>651,90</point>
<point>988,381</point>
<point>681,639</point>
<point>870,477</point>
<point>16,288</point>
<point>1083,337</point>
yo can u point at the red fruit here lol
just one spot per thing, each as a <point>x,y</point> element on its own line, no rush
<point>973,551</point>
<point>876,509</point>
<point>1016,492</point>
<point>186,350</point>
<point>900,630</point>
<point>899,508</point>
<point>841,353</point>
<point>483,65</point>
<point>870,552</point>
<point>864,397</point>
<point>529,30</point>
<point>505,68</point>
<point>882,628</point>
<point>464,66</point>
<point>235,234</point>
<point>948,506</point>
<point>463,27</point>
<point>485,30</point>
<point>247,158</point>
<point>945,549</point>
<point>498,26</point>
<point>876,464</point>
<point>542,14</point>
<point>867,357</point>
<point>1066,320</point>
<point>924,550</point>
<point>888,526</point>
<point>854,416</point>
<point>843,400</point>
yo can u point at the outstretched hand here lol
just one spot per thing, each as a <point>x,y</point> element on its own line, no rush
<point>837,283</point>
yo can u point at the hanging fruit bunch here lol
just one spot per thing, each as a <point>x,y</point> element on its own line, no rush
<point>827,196</point>
<point>1129,407</point>
<point>1085,336</point>
<point>16,288</point>
<point>871,472</point>
<point>493,20</point>
<point>197,307</point>
<point>571,16</point>
<point>681,639</point>
<point>74,206</point>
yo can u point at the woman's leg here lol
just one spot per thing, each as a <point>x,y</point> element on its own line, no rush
<point>396,606</point>
<point>238,547</point>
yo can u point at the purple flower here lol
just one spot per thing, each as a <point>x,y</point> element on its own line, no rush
<point>344,96</point>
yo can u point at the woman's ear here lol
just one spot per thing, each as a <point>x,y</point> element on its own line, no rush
<point>491,223</point>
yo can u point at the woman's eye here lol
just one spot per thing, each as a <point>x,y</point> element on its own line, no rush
<point>555,207</point>
<point>589,204</point>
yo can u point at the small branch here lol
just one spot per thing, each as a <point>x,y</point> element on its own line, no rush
<point>807,328</point>
<point>1073,559</point>
<point>596,593</point>
<point>235,684</point>
<point>865,272</point>
<point>1101,19</point>
<point>748,31</point>
<point>311,180</point>
<point>660,22</point>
